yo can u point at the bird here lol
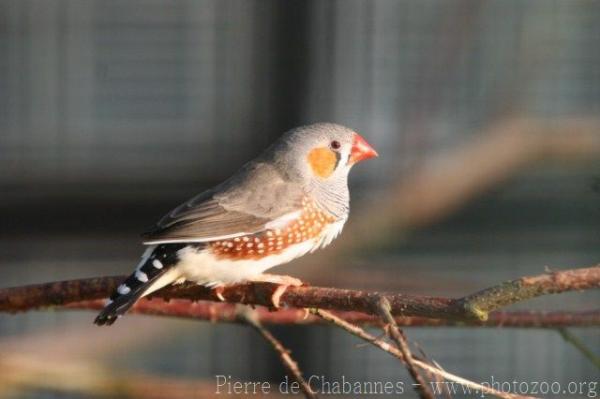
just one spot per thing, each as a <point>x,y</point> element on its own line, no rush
<point>289,201</point>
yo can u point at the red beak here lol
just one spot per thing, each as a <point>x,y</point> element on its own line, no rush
<point>361,150</point>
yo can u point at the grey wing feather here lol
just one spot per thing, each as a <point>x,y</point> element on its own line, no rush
<point>243,204</point>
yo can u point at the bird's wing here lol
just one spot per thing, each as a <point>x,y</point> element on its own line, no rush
<point>256,198</point>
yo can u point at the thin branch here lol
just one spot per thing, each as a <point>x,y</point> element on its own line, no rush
<point>392,350</point>
<point>475,306</point>
<point>439,381</point>
<point>226,313</point>
<point>420,385</point>
<point>248,316</point>
<point>484,301</point>
<point>580,346</point>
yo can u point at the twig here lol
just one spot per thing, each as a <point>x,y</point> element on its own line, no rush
<point>439,381</point>
<point>475,306</point>
<point>226,312</point>
<point>248,316</point>
<point>510,292</point>
<point>397,335</point>
<point>576,342</point>
<point>392,350</point>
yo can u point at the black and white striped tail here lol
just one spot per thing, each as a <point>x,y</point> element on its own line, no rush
<point>153,265</point>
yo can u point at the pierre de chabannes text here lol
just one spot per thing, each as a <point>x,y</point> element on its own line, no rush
<point>227,385</point>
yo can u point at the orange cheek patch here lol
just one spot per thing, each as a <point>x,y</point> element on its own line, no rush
<point>322,161</point>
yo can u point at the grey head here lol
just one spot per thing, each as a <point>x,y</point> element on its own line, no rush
<point>319,157</point>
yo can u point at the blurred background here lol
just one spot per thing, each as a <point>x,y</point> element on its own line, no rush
<point>113,112</point>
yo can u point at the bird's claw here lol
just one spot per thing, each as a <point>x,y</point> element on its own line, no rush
<point>219,293</point>
<point>306,313</point>
<point>276,296</point>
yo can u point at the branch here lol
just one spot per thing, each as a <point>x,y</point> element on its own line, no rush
<point>392,350</point>
<point>472,307</point>
<point>248,316</point>
<point>482,302</point>
<point>580,346</point>
<point>420,386</point>
<point>226,313</point>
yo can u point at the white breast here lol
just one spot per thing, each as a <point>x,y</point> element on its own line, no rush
<point>329,234</point>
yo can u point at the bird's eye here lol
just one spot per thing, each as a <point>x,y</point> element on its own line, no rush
<point>335,145</point>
